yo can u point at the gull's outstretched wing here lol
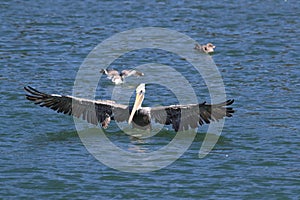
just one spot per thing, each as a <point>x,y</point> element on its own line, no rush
<point>126,73</point>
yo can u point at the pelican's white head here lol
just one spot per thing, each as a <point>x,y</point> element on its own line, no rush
<point>141,88</point>
<point>140,94</point>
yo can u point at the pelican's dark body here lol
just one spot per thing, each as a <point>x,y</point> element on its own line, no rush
<point>142,119</point>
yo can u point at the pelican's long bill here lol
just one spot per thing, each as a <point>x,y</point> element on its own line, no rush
<point>140,94</point>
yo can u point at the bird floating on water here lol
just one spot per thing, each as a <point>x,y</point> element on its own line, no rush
<point>118,78</point>
<point>208,48</point>
<point>181,117</point>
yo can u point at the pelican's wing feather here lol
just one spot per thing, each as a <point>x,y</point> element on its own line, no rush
<point>93,111</point>
<point>183,117</point>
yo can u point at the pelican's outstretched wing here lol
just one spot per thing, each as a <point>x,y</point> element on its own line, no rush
<point>184,116</point>
<point>93,111</point>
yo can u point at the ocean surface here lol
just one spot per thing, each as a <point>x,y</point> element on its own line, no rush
<point>44,43</point>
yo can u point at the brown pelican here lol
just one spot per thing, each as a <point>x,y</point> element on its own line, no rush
<point>208,48</point>
<point>181,117</point>
<point>118,78</point>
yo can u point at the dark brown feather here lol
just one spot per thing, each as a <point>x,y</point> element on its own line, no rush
<point>92,111</point>
<point>183,117</point>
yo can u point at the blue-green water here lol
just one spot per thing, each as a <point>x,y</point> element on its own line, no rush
<point>257,157</point>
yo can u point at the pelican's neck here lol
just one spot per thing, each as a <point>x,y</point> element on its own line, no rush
<point>140,91</point>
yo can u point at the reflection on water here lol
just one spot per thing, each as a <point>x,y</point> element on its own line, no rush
<point>103,149</point>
